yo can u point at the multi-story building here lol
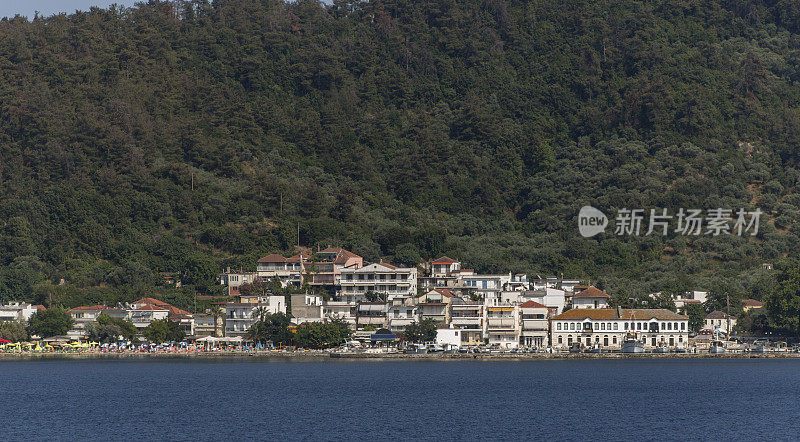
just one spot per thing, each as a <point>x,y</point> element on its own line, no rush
<point>240,316</point>
<point>719,321</point>
<point>326,268</point>
<point>607,328</point>
<point>286,270</point>
<point>437,311</point>
<point>18,311</point>
<point>444,273</point>
<point>534,323</point>
<point>380,278</point>
<point>502,325</point>
<point>233,280</point>
<point>371,314</point>
<point>400,313</point>
<point>467,316</point>
<point>307,308</point>
<point>591,297</point>
<point>484,286</point>
<point>344,311</point>
<point>87,314</point>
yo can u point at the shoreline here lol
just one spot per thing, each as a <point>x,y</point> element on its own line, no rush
<point>324,356</point>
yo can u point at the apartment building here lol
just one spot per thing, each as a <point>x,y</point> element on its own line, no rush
<point>381,278</point>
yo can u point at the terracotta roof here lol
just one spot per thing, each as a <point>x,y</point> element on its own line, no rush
<point>690,301</point>
<point>273,258</point>
<point>446,293</point>
<point>592,292</point>
<point>651,313</point>
<point>298,258</point>
<point>152,307</point>
<point>444,260</point>
<point>152,301</point>
<point>532,304</point>
<point>716,314</point>
<point>628,314</point>
<point>752,303</point>
<point>40,307</point>
<point>589,313</point>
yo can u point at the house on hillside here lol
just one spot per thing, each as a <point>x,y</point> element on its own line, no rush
<point>591,297</point>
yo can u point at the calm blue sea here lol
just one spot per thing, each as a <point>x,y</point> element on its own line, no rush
<point>442,400</point>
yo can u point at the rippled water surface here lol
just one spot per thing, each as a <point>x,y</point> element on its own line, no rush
<point>556,400</point>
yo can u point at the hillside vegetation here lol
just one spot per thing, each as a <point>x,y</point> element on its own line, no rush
<point>191,136</point>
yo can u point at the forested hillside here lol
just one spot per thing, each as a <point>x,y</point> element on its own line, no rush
<point>190,136</point>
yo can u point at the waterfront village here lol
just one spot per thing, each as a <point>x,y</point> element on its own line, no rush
<point>377,301</point>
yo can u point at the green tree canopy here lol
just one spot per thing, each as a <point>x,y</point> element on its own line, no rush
<point>422,331</point>
<point>54,321</point>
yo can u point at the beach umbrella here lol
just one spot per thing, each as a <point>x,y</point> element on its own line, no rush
<point>4,341</point>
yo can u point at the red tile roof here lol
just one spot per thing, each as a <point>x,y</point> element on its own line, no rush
<point>446,293</point>
<point>273,258</point>
<point>151,301</point>
<point>642,314</point>
<point>592,292</point>
<point>40,307</point>
<point>444,260</point>
<point>151,307</point>
<point>532,304</point>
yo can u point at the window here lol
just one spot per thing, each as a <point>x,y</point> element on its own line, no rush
<point>683,326</point>
<point>616,326</point>
<point>626,326</point>
<point>614,339</point>
<point>603,326</point>
<point>558,326</point>
<point>560,340</point>
<point>572,326</point>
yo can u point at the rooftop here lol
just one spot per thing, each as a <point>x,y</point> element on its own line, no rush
<point>592,292</point>
<point>628,314</point>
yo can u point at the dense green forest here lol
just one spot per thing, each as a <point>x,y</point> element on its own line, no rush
<point>190,136</point>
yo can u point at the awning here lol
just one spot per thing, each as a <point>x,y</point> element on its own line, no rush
<point>382,337</point>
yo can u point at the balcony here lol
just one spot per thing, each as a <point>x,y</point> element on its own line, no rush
<point>466,321</point>
<point>371,320</point>
<point>535,324</point>
<point>501,323</point>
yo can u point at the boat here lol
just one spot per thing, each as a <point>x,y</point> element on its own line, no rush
<point>632,345</point>
<point>416,349</point>
<point>717,344</point>
<point>662,348</point>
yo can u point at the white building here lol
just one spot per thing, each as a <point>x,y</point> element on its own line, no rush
<point>17,311</point>
<point>240,316</point>
<point>607,328</point>
<point>719,321</point>
<point>592,297</point>
<point>88,314</point>
<point>381,278</point>
<point>346,311</point>
<point>287,270</point>
<point>485,286</point>
<point>502,325</point>
<point>469,318</point>
<point>534,322</point>
<point>448,338</point>
<point>399,315</point>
